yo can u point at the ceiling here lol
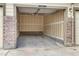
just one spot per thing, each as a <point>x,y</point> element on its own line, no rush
<point>36,10</point>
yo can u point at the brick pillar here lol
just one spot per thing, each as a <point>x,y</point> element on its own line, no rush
<point>9,27</point>
<point>69,24</point>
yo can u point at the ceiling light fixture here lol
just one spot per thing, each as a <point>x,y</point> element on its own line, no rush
<point>42,6</point>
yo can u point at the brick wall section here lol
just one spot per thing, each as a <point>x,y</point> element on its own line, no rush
<point>9,32</point>
<point>68,40</point>
<point>69,30</point>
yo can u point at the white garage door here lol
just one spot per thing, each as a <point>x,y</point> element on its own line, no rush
<point>77,27</point>
<point>1,27</point>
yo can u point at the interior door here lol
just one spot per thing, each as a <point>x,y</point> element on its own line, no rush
<point>77,27</point>
<point>1,27</point>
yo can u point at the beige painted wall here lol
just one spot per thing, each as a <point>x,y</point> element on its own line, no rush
<point>31,22</point>
<point>53,24</point>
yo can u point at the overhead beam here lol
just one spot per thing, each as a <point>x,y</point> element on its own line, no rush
<point>51,5</point>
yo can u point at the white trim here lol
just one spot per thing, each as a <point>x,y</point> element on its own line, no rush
<point>76,27</point>
<point>1,27</point>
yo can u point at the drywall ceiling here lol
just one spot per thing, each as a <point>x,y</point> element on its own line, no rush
<point>35,10</point>
<point>49,5</point>
<point>47,10</point>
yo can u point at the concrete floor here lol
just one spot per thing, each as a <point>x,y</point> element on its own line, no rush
<point>36,42</point>
<point>39,46</point>
<point>58,51</point>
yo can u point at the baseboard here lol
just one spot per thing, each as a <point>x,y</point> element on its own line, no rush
<point>31,33</point>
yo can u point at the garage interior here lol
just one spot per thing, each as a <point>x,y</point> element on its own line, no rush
<point>40,27</point>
